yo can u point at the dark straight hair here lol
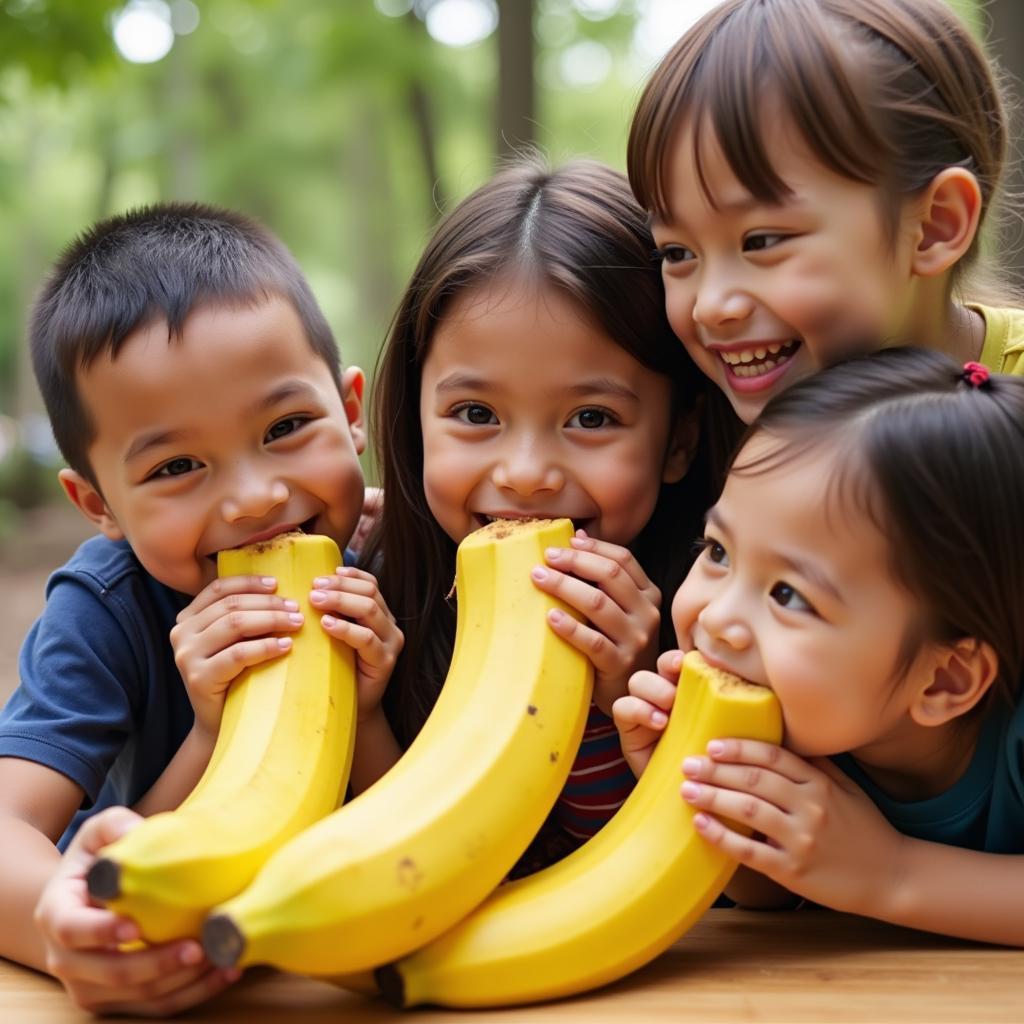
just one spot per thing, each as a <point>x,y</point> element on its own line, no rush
<point>938,464</point>
<point>156,262</point>
<point>577,229</point>
<point>884,92</point>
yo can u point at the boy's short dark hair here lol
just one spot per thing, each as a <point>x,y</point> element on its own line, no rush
<point>156,262</point>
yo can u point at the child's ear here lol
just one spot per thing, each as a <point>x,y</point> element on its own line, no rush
<point>962,675</point>
<point>353,382</point>
<point>84,496</point>
<point>682,446</point>
<point>949,211</point>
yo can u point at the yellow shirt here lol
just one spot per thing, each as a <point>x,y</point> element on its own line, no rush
<point>1003,349</point>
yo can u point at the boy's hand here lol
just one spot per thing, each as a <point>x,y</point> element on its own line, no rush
<point>605,584</point>
<point>355,614</point>
<point>81,940</point>
<point>642,716</point>
<point>224,630</point>
<point>816,832</point>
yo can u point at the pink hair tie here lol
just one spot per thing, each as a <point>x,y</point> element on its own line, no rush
<point>975,374</point>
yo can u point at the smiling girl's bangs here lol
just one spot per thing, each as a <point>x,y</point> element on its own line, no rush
<point>884,92</point>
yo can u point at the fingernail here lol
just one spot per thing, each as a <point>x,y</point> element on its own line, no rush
<point>692,766</point>
<point>231,975</point>
<point>269,582</point>
<point>318,597</point>
<point>291,606</point>
<point>716,748</point>
<point>555,616</point>
<point>126,932</point>
<point>658,717</point>
<point>190,954</point>
<point>296,617</point>
<point>581,540</point>
<point>329,621</point>
<point>701,822</point>
<point>320,581</point>
<point>690,790</point>
<point>677,660</point>
<point>284,642</point>
<point>553,554</point>
<point>538,574</point>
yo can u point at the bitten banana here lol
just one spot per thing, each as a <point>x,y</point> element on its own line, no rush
<point>615,903</point>
<point>281,762</point>
<point>413,854</point>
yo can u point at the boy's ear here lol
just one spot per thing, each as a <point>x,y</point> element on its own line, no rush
<point>963,674</point>
<point>84,496</point>
<point>949,211</point>
<point>353,382</point>
<point>682,446</point>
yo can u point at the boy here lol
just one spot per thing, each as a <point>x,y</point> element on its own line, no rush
<point>195,391</point>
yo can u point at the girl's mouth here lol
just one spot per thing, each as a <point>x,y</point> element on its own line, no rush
<point>757,367</point>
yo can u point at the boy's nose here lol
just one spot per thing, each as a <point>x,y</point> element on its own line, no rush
<point>254,499</point>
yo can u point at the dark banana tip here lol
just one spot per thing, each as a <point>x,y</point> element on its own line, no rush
<point>104,880</point>
<point>392,987</point>
<point>223,941</point>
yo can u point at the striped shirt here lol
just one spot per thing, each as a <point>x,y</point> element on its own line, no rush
<point>599,782</point>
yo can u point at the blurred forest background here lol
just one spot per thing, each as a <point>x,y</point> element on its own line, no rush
<point>346,126</point>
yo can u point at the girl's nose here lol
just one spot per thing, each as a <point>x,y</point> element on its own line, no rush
<point>721,300</point>
<point>253,497</point>
<point>527,470</point>
<point>722,620</point>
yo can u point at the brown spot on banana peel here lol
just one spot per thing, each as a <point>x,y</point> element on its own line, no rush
<point>409,875</point>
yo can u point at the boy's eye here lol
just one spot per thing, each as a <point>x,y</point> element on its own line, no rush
<point>282,428</point>
<point>475,414</point>
<point>789,597</point>
<point>590,419</point>
<point>178,467</point>
<point>674,254</point>
<point>758,243</point>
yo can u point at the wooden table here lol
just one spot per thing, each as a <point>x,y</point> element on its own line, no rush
<point>733,966</point>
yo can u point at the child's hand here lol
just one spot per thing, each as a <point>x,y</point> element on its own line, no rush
<point>224,630</point>
<point>81,940</point>
<point>621,605</point>
<point>373,508</point>
<point>355,614</point>
<point>641,717</point>
<point>816,832</point>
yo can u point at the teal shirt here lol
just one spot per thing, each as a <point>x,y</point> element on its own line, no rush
<point>983,810</point>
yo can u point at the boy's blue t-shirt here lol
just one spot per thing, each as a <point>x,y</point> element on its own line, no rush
<point>983,809</point>
<point>100,698</point>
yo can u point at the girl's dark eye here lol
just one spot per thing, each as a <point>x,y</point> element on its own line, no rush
<point>590,419</point>
<point>282,428</point>
<point>758,243</point>
<point>674,254</point>
<point>177,467</point>
<point>789,597</point>
<point>475,414</point>
<point>713,551</point>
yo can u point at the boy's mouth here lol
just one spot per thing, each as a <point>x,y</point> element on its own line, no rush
<point>307,526</point>
<point>758,360</point>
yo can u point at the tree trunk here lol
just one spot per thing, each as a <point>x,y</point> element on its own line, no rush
<point>1006,43</point>
<point>515,77</point>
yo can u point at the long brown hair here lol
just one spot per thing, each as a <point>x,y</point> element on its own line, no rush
<point>938,464</point>
<point>577,229</point>
<point>885,92</point>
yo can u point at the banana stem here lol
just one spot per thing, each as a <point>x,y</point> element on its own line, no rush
<point>104,880</point>
<point>223,940</point>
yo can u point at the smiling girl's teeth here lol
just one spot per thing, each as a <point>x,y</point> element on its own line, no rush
<point>753,362</point>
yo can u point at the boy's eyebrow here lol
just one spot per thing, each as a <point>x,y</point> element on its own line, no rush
<point>286,390</point>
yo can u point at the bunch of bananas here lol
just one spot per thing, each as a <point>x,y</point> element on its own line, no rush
<point>406,878</point>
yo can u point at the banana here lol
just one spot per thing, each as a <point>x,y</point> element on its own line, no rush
<point>281,762</point>
<point>615,903</point>
<point>418,850</point>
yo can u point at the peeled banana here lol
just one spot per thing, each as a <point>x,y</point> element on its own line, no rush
<point>419,849</point>
<point>281,762</point>
<point>615,903</point>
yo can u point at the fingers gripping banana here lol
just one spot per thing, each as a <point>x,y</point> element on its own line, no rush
<point>281,762</point>
<point>418,850</point>
<point>615,903</point>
